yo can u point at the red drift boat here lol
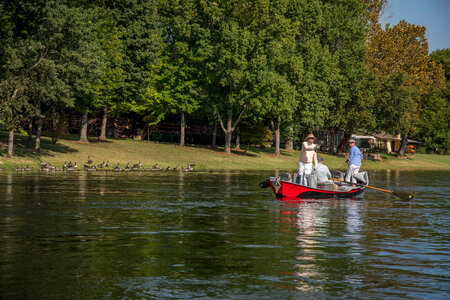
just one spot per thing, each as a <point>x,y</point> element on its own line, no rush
<point>284,188</point>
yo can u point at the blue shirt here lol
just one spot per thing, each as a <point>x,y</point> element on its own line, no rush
<point>355,156</point>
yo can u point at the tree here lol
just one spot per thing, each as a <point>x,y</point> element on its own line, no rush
<point>19,55</point>
<point>283,68</point>
<point>396,105</point>
<point>434,113</point>
<point>138,23</point>
<point>176,79</point>
<point>401,51</point>
<point>345,36</point>
<point>40,44</point>
<point>233,27</point>
<point>254,133</point>
<point>374,10</point>
<point>107,90</point>
<point>87,63</point>
<point>404,48</point>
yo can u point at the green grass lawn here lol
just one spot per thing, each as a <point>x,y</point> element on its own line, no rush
<point>150,153</point>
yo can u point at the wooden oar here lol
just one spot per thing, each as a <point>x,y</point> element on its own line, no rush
<point>400,194</point>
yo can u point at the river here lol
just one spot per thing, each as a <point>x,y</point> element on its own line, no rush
<point>218,235</point>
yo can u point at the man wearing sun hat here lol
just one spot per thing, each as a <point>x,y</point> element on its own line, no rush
<point>354,161</point>
<point>307,158</point>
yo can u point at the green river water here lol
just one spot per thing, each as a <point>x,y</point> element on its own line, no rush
<point>217,235</point>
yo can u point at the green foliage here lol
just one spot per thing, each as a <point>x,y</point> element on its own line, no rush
<point>156,136</point>
<point>297,63</point>
<point>345,36</point>
<point>255,133</point>
<point>137,21</point>
<point>443,57</point>
<point>434,122</point>
<point>108,87</point>
<point>396,104</point>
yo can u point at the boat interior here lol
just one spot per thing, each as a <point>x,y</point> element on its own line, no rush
<point>311,181</point>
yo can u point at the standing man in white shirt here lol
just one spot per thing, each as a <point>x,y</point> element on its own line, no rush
<point>307,158</point>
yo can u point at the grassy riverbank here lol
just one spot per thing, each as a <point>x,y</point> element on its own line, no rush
<point>150,153</point>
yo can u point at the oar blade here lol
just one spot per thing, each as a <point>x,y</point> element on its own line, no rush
<point>403,195</point>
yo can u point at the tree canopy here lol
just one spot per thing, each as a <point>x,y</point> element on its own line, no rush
<point>294,65</point>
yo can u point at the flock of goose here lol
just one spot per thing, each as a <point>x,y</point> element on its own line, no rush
<point>89,166</point>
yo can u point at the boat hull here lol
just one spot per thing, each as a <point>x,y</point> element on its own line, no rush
<point>285,189</point>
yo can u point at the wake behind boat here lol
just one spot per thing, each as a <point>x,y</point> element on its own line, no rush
<point>285,187</point>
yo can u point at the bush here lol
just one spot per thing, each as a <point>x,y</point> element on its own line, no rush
<point>156,136</point>
<point>60,131</point>
<point>168,137</point>
<point>189,139</point>
<point>421,150</point>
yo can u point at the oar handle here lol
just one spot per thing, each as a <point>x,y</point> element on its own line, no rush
<point>370,187</point>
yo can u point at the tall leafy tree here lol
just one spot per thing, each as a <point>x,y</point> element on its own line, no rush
<point>233,26</point>
<point>45,47</point>
<point>138,24</point>
<point>177,79</point>
<point>19,56</point>
<point>434,113</point>
<point>283,67</point>
<point>403,49</point>
<point>88,62</point>
<point>345,35</point>
<point>107,91</point>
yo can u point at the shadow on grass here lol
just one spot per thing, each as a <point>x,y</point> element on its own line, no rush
<point>91,139</point>
<point>24,149</point>
<point>253,151</point>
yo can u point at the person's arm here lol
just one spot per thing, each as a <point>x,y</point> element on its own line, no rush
<point>315,159</point>
<point>328,173</point>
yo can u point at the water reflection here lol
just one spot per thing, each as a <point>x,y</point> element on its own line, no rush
<point>316,224</point>
<point>214,235</point>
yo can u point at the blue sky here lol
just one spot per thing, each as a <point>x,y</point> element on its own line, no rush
<point>433,14</point>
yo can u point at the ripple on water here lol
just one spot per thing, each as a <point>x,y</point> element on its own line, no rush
<point>215,235</point>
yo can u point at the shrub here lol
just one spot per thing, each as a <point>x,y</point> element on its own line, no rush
<point>189,139</point>
<point>168,137</point>
<point>156,136</point>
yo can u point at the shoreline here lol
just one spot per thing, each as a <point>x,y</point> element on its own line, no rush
<point>204,158</point>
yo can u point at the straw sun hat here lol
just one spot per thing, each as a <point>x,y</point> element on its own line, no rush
<point>310,136</point>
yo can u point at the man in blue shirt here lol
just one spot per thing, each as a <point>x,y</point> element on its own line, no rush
<point>354,161</point>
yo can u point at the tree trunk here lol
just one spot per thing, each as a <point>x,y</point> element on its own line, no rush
<point>333,143</point>
<point>228,133</point>
<point>182,129</point>
<point>30,132</point>
<point>37,146</point>
<point>403,144</point>
<point>238,141</point>
<point>214,135</point>
<point>84,126</point>
<point>104,121</point>
<point>229,129</point>
<point>11,143</point>
<point>277,136</point>
<point>116,130</point>
<point>55,127</point>
<point>290,143</point>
